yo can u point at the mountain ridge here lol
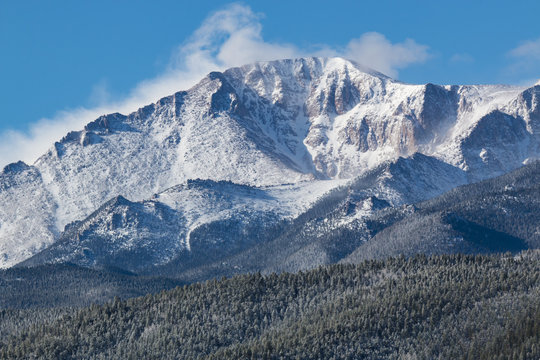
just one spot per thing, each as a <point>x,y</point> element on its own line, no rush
<point>269,123</point>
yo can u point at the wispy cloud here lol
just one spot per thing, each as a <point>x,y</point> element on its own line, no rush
<point>100,93</point>
<point>376,51</point>
<point>461,58</point>
<point>229,37</point>
<point>525,61</point>
<point>527,50</point>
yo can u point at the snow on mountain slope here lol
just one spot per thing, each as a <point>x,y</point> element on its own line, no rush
<point>201,217</point>
<point>391,184</point>
<point>346,119</point>
<point>493,132</point>
<point>26,208</point>
<point>268,123</point>
<point>337,223</point>
<point>191,217</point>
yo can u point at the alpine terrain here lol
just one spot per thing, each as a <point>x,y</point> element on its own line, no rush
<point>280,166</point>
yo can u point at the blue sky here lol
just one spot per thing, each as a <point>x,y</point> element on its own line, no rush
<point>62,63</point>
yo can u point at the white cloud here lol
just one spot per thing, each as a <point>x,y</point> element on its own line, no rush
<point>376,51</point>
<point>528,50</point>
<point>229,37</point>
<point>525,61</point>
<point>100,93</point>
<point>243,43</point>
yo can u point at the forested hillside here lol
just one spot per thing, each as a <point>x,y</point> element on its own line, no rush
<point>440,307</point>
<point>68,285</point>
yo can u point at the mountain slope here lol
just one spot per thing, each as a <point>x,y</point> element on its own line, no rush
<point>198,221</point>
<point>336,225</point>
<point>499,214</point>
<point>356,222</point>
<point>64,286</point>
<point>269,123</point>
<point>27,221</point>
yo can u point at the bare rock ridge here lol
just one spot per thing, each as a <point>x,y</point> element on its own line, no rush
<point>312,123</point>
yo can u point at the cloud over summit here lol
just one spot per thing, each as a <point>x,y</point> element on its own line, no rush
<point>228,37</point>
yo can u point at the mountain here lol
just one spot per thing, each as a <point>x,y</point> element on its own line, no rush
<point>190,221</point>
<point>203,221</point>
<point>495,215</point>
<point>354,223</point>
<point>302,122</point>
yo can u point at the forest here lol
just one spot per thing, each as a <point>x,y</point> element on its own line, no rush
<point>422,307</point>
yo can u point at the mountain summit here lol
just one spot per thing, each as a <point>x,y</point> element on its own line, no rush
<point>312,123</point>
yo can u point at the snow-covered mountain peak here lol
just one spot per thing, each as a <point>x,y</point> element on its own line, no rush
<point>263,125</point>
